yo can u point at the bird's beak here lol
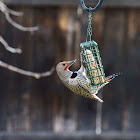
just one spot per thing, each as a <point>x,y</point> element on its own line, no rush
<point>72,62</point>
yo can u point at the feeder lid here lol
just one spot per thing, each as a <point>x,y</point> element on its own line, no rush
<point>88,44</point>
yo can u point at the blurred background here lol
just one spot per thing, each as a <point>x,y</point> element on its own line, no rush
<point>44,109</point>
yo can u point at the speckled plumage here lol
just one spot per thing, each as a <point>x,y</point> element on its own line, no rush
<point>79,83</point>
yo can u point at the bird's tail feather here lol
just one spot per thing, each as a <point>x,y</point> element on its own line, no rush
<point>111,77</point>
<point>97,98</point>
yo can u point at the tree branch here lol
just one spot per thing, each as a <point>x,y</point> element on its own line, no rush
<point>20,71</point>
<point>18,26</point>
<point>27,73</point>
<point>8,48</point>
<point>7,13</point>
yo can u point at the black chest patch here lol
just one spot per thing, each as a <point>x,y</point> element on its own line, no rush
<point>73,75</point>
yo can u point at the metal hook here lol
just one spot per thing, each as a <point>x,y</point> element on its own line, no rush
<point>91,9</point>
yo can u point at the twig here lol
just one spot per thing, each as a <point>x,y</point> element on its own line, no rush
<point>7,47</point>
<point>5,9</point>
<point>20,71</point>
<point>27,73</point>
<point>18,26</point>
<point>7,13</point>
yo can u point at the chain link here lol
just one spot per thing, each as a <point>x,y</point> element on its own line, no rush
<point>89,29</point>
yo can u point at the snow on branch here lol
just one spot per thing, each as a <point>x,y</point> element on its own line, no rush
<point>8,48</point>
<point>7,13</point>
<point>27,73</point>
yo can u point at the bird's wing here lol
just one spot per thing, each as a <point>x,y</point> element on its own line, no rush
<point>85,83</point>
<point>82,70</point>
<point>94,72</point>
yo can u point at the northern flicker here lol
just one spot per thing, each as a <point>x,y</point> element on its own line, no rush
<point>78,81</point>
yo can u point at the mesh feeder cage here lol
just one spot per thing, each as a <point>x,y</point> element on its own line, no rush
<point>93,62</point>
<point>91,58</point>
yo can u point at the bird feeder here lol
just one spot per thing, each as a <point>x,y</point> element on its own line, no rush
<point>90,52</point>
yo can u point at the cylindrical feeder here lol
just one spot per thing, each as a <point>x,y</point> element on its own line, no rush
<point>92,62</point>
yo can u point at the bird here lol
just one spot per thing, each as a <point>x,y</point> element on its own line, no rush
<point>79,82</point>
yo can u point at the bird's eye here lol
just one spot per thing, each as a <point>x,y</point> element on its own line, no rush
<point>63,64</point>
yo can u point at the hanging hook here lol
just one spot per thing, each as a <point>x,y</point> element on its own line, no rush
<point>90,9</point>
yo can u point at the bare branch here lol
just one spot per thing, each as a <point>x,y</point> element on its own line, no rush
<point>15,13</point>
<point>18,26</point>
<point>27,73</point>
<point>2,6</point>
<point>7,13</point>
<point>20,71</point>
<point>4,9</point>
<point>7,47</point>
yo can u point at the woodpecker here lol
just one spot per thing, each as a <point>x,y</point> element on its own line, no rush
<point>78,82</point>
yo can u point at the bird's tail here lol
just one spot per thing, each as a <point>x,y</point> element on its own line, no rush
<point>111,77</point>
<point>97,98</point>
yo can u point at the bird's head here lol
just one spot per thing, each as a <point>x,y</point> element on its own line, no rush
<point>63,69</point>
